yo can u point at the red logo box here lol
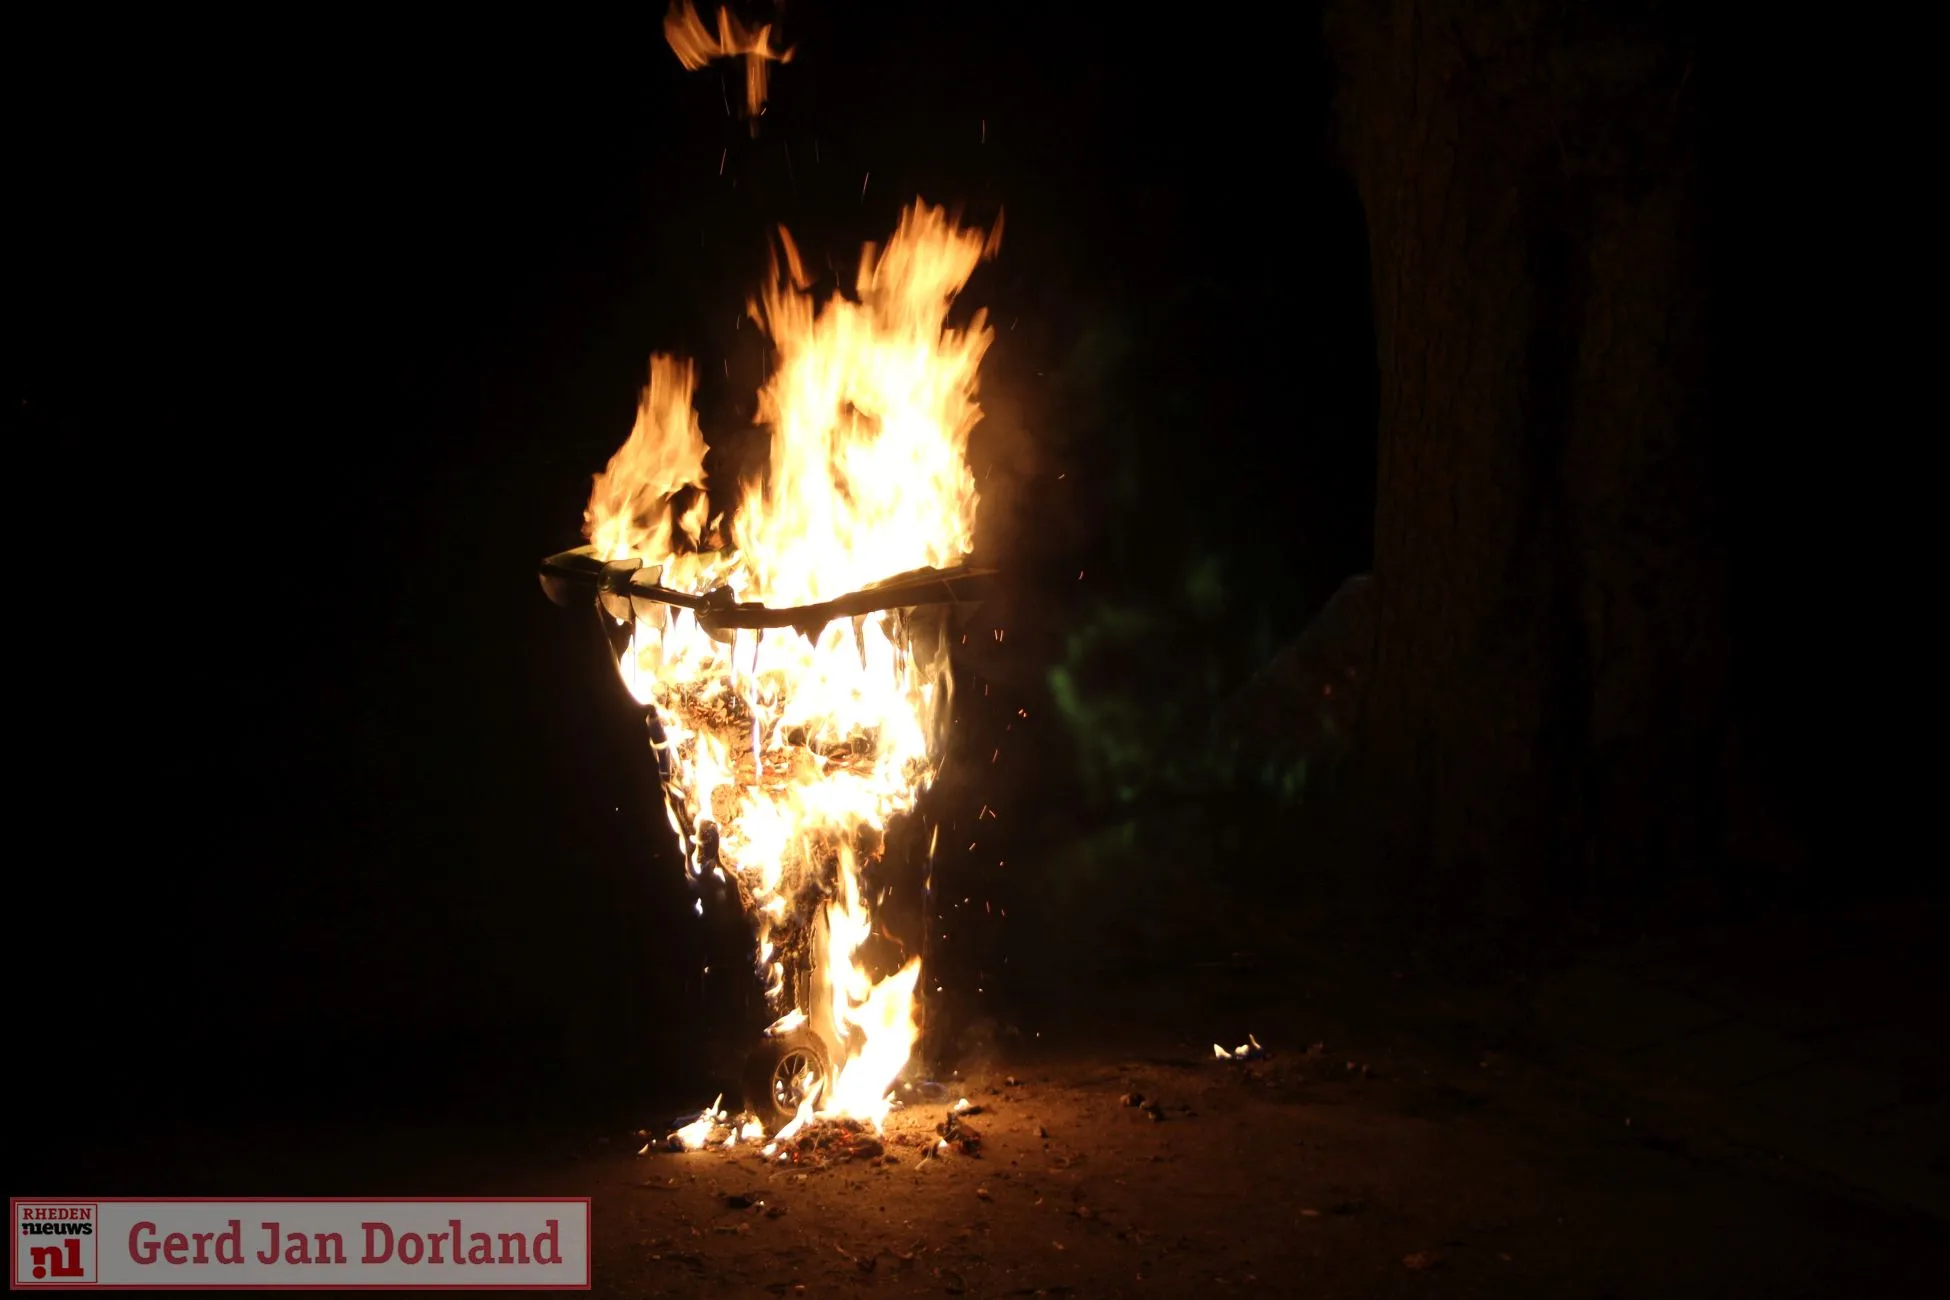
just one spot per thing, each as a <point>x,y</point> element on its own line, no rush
<point>56,1243</point>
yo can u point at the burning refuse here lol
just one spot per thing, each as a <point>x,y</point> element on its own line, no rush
<point>787,637</point>
<point>1250,1050</point>
<point>794,689</point>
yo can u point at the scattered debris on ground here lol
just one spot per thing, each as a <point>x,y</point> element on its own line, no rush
<point>1250,1050</point>
<point>957,1135</point>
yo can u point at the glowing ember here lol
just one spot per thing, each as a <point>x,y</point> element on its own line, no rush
<point>1247,1051</point>
<point>788,752</point>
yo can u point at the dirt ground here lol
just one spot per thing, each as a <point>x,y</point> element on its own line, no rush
<point>1118,1157</point>
<point>1299,1174</point>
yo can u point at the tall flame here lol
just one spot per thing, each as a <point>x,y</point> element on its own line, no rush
<point>789,753</point>
<point>629,513</point>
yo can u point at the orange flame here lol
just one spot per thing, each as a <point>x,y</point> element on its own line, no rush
<point>629,511</point>
<point>800,748</point>
<point>697,46</point>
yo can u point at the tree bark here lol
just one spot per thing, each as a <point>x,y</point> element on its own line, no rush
<point>1544,712</point>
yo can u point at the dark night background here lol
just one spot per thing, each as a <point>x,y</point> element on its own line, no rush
<point>320,345</point>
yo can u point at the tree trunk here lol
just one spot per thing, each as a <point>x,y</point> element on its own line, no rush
<point>1544,712</point>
